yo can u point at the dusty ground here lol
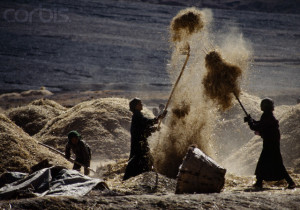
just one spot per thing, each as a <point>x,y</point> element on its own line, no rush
<point>155,191</point>
<point>240,196</point>
<point>205,201</point>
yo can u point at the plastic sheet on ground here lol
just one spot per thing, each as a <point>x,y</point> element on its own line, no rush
<point>53,181</point>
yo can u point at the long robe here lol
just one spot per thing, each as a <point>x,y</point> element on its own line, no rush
<point>270,165</point>
<point>140,159</point>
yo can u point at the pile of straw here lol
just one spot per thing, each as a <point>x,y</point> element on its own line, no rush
<point>34,116</point>
<point>19,151</point>
<point>103,123</point>
<point>148,182</point>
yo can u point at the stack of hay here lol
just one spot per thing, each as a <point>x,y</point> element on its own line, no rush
<point>34,116</point>
<point>19,151</point>
<point>103,123</point>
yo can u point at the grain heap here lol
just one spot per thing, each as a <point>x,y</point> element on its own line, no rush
<point>34,116</point>
<point>19,151</point>
<point>103,123</point>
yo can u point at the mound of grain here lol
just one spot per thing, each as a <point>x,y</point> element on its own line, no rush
<point>41,92</point>
<point>19,151</point>
<point>290,137</point>
<point>34,116</point>
<point>148,182</point>
<point>103,123</point>
<point>245,159</point>
<point>9,100</point>
<point>27,93</point>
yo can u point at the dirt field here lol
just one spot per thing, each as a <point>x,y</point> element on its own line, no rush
<point>232,198</point>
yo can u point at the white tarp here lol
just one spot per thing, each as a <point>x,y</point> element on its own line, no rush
<point>53,181</point>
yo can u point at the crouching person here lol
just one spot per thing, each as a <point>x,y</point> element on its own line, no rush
<point>81,150</point>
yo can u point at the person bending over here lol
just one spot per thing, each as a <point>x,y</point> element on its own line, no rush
<point>81,150</point>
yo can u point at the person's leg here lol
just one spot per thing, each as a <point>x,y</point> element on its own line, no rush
<point>76,167</point>
<point>128,170</point>
<point>260,170</point>
<point>132,168</point>
<point>258,183</point>
<point>86,171</point>
<point>289,180</point>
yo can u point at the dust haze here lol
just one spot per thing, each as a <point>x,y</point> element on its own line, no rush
<point>191,116</point>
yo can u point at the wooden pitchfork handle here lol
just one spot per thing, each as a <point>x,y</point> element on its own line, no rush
<point>237,98</point>
<point>183,67</point>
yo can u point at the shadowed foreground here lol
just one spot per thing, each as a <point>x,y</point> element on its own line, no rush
<point>278,199</point>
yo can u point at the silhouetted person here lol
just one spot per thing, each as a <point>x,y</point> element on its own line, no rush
<point>155,111</point>
<point>161,108</point>
<point>270,165</point>
<point>80,149</point>
<point>140,159</point>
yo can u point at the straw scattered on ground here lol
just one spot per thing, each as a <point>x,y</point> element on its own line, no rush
<point>157,184</point>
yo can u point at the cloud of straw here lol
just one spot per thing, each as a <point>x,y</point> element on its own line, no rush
<point>188,120</point>
<point>191,117</point>
<point>221,80</point>
<point>235,48</point>
<point>185,23</point>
